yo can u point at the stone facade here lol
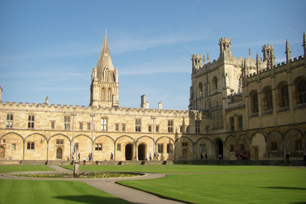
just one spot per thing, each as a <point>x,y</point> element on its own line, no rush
<point>237,108</point>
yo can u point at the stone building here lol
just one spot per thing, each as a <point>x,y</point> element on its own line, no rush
<point>237,108</point>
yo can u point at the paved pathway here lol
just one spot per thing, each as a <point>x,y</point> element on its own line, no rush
<point>109,186</point>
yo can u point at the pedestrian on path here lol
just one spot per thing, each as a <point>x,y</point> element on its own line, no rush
<point>84,160</point>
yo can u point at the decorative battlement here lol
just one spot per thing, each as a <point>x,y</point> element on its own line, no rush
<point>223,40</point>
<point>89,109</point>
<point>283,65</point>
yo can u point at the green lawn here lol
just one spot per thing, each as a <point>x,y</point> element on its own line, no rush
<point>208,184</point>
<point>283,186</point>
<point>17,168</point>
<point>59,192</point>
<point>173,168</point>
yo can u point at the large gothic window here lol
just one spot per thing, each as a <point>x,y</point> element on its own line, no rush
<point>215,83</point>
<point>268,103</point>
<point>284,95</point>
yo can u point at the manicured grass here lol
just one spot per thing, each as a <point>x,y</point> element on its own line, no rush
<point>173,168</point>
<point>283,186</point>
<point>50,192</point>
<point>17,168</point>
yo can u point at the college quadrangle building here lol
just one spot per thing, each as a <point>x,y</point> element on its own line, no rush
<point>238,109</point>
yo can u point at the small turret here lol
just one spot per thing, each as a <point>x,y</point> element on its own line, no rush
<point>47,101</point>
<point>268,55</point>
<point>225,48</point>
<point>196,61</point>
<point>288,52</point>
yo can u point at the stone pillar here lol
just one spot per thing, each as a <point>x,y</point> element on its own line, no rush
<point>76,171</point>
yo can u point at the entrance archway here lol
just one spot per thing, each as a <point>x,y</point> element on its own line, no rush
<point>59,153</point>
<point>219,149</point>
<point>128,152</point>
<point>141,152</point>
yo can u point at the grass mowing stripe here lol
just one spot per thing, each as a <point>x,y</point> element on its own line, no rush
<point>60,192</point>
<point>251,187</point>
<point>18,168</point>
<point>174,168</point>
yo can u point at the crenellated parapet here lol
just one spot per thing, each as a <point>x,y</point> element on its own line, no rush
<point>40,107</point>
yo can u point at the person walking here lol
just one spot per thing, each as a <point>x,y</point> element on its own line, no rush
<point>201,156</point>
<point>84,160</point>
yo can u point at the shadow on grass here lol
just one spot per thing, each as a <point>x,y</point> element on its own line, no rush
<point>286,188</point>
<point>91,199</point>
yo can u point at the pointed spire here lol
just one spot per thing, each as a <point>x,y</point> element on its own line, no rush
<point>105,60</point>
<point>207,57</point>
<point>250,52</point>
<point>288,52</point>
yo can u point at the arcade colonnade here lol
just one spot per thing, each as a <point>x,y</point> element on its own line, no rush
<point>270,145</point>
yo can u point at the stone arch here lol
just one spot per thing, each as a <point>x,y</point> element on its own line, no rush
<point>81,145</point>
<point>149,146</point>
<point>230,147</point>
<point>243,143</point>
<point>205,145</point>
<point>142,151</point>
<point>184,148</point>
<point>35,147</point>
<point>294,142</point>
<point>59,141</point>
<point>103,147</point>
<point>218,148</point>
<point>14,145</point>
<point>275,144</point>
<point>128,147</point>
<point>169,147</point>
<point>58,134</point>
<point>259,150</point>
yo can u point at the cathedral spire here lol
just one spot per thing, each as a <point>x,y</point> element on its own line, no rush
<point>105,60</point>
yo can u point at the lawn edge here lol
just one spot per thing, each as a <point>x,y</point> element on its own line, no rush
<point>156,194</point>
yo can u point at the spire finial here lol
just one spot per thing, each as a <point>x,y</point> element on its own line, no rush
<point>105,32</point>
<point>250,52</point>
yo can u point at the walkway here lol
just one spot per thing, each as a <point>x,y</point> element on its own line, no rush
<point>109,186</point>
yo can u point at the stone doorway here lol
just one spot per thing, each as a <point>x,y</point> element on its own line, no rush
<point>2,152</point>
<point>141,152</point>
<point>59,153</point>
<point>128,152</point>
<point>219,149</point>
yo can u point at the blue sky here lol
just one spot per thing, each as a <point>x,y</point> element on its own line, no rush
<point>48,48</point>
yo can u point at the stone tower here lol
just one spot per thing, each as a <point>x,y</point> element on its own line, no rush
<point>104,88</point>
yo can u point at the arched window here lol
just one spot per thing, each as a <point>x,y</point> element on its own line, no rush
<point>267,99</point>
<point>283,95</point>
<point>109,94</point>
<point>215,83</point>
<point>254,102</point>
<point>103,94</point>
<point>301,91</point>
<point>200,87</point>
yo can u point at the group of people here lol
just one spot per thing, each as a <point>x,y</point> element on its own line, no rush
<point>84,158</point>
<point>205,155</point>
